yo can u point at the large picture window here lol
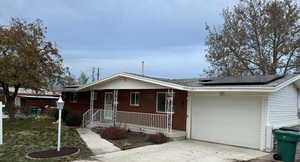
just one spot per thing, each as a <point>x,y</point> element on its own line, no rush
<point>134,99</point>
<point>161,102</point>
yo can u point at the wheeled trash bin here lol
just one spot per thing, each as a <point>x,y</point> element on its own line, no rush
<point>287,140</point>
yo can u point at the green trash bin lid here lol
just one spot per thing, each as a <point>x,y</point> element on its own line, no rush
<point>285,135</point>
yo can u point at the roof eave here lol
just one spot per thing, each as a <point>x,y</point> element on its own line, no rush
<point>139,78</point>
<point>195,89</point>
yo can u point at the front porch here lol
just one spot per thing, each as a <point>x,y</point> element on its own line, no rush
<point>137,122</point>
<point>133,104</point>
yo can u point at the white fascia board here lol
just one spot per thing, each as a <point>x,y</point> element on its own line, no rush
<point>89,86</point>
<point>154,81</point>
<point>139,78</point>
<point>195,89</point>
<point>286,83</point>
<point>232,89</point>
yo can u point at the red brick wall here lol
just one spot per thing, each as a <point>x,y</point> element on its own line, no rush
<point>82,105</point>
<point>147,103</point>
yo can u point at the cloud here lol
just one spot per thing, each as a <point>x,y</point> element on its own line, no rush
<point>176,62</point>
<point>119,34</point>
<point>121,23</point>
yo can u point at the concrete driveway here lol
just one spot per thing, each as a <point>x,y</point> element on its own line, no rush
<point>182,151</point>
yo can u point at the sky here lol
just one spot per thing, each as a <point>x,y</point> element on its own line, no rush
<point>117,35</point>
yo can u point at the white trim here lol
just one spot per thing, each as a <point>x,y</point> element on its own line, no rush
<point>189,115</point>
<point>196,89</point>
<point>165,103</point>
<point>95,96</point>
<point>157,102</point>
<point>105,93</point>
<point>139,101</point>
<point>107,114</point>
<point>263,127</point>
<point>74,95</point>
<point>139,78</point>
<point>39,97</point>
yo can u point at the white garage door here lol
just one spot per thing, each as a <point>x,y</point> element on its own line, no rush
<point>233,120</point>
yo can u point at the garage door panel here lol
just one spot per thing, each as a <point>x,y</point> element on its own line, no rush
<point>233,120</point>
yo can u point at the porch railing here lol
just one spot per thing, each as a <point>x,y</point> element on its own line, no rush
<point>148,120</point>
<point>151,120</point>
<point>87,117</point>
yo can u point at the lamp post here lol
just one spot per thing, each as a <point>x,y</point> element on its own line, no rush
<point>60,106</point>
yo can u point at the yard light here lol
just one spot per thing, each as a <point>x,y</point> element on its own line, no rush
<point>60,106</point>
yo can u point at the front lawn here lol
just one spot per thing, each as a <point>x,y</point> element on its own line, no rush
<point>25,136</point>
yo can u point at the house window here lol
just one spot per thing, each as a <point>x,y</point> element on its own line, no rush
<point>134,98</point>
<point>162,103</point>
<point>95,96</point>
<point>73,97</point>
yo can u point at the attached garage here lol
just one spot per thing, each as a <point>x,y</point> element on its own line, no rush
<point>240,111</point>
<point>227,119</point>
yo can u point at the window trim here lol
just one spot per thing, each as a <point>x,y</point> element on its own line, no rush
<point>71,98</point>
<point>135,105</point>
<point>105,97</point>
<point>95,96</point>
<point>165,104</point>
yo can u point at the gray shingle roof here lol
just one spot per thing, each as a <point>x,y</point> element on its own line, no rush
<point>259,80</point>
<point>248,81</point>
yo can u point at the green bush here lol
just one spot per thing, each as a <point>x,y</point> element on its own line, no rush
<point>64,114</point>
<point>73,120</point>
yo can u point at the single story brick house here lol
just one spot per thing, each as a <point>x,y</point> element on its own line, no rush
<point>239,111</point>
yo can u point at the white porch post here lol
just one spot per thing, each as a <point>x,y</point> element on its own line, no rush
<point>170,98</point>
<point>115,106</point>
<point>1,123</point>
<point>189,115</point>
<point>92,105</point>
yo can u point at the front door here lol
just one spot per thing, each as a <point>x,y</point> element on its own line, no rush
<point>108,105</point>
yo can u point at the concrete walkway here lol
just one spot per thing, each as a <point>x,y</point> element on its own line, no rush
<point>95,143</point>
<point>182,151</point>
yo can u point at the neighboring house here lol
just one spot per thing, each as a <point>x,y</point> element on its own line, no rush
<point>28,98</point>
<point>240,111</point>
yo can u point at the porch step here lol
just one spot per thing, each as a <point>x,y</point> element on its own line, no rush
<point>176,135</point>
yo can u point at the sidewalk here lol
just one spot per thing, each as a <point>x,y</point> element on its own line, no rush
<point>95,143</point>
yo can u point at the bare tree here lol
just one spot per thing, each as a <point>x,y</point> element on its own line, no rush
<point>83,79</point>
<point>258,37</point>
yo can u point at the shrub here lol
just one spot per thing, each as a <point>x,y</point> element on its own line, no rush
<point>64,114</point>
<point>114,133</point>
<point>73,120</point>
<point>158,138</point>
